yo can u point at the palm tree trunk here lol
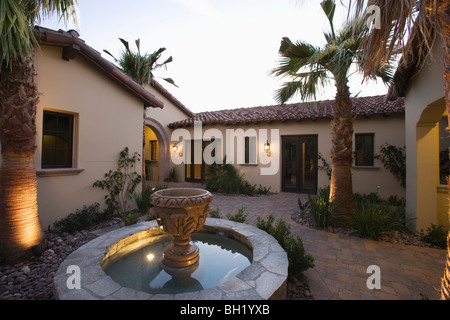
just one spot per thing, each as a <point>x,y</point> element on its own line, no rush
<point>20,228</point>
<point>444,21</point>
<point>341,190</point>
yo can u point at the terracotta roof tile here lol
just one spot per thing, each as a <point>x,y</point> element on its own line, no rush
<point>366,107</point>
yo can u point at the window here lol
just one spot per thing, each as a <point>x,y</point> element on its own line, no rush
<point>57,141</point>
<point>153,150</point>
<point>364,154</point>
<point>250,150</point>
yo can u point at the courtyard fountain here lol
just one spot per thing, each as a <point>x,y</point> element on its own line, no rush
<point>180,255</point>
<point>181,212</point>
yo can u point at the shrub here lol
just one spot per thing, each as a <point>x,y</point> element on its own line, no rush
<point>82,219</point>
<point>373,220</point>
<point>129,218</point>
<point>263,190</point>
<point>222,178</point>
<point>173,175</point>
<point>215,214</point>
<point>142,200</point>
<point>435,236</point>
<point>122,182</point>
<point>299,261</point>
<point>320,208</point>
<point>225,178</point>
<point>394,159</point>
<point>303,207</point>
<point>239,216</point>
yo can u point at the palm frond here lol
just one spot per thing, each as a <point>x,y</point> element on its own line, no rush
<point>306,84</point>
<point>402,22</point>
<point>140,66</point>
<point>295,56</point>
<point>16,35</point>
<point>17,20</point>
<point>329,8</point>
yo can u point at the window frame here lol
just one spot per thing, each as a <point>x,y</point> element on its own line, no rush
<point>153,150</point>
<point>247,150</point>
<point>372,156</point>
<point>70,160</point>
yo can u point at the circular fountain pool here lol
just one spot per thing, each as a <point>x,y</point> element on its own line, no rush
<point>82,275</point>
<point>221,258</point>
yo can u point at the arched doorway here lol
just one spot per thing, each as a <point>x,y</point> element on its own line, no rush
<point>432,191</point>
<point>156,151</point>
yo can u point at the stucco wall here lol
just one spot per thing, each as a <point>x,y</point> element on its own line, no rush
<point>386,130</point>
<point>424,92</point>
<point>107,119</point>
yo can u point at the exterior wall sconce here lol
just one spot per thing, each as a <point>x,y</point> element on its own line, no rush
<point>267,147</point>
<point>175,148</point>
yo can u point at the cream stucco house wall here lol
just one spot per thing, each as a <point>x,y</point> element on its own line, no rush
<point>426,192</point>
<point>106,119</point>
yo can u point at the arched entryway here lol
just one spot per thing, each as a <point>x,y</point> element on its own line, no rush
<point>431,142</point>
<point>157,150</point>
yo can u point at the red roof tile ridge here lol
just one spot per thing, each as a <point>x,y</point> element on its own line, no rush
<point>363,106</point>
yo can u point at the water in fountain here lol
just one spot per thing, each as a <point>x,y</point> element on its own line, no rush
<point>221,258</point>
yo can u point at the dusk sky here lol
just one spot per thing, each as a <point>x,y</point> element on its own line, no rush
<point>223,50</point>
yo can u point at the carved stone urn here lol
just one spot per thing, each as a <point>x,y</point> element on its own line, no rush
<point>181,212</point>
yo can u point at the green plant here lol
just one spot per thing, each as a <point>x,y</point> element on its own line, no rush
<point>225,178</point>
<point>122,182</point>
<point>360,199</point>
<point>215,214</point>
<point>324,165</point>
<point>82,219</point>
<point>159,186</point>
<point>173,175</point>
<point>129,218</point>
<point>299,261</point>
<point>303,207</point>
<point>320,208</point>
<point>239,216</point>
<point>435,235</point>
<point>373,220</point>
<point>142,200</point>
<point>394,159</point>
<point>222,178</point>
<point>263,190</point>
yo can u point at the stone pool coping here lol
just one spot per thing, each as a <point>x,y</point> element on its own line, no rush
<point>264,279</point>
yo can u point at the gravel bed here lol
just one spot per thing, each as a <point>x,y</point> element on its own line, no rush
<point>33,279</point>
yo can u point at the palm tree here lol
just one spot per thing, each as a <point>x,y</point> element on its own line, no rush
<point>310,67</point>
<point>140,68</point>
<point>20,228</point>
<point>411,26</point>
